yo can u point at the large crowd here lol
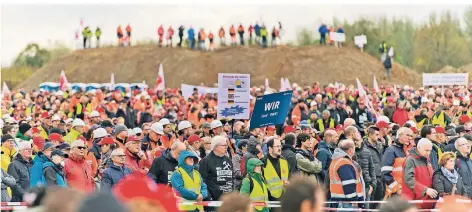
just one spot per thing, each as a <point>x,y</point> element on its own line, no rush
<point>340,143</point>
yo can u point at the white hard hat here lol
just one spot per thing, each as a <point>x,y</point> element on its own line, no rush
<point>78,123</point>
<point>424,99</point>
<point>215,124</point>
<point>55,118</point>
<point>137,130</point>
<point>184,125</point>
<point>69,120</point>
<point>412,123</point>
<point>164,121</point>
<point>99,133</point>
<point>383,118</point>
<point>94,114</point>
<point>157,128</point>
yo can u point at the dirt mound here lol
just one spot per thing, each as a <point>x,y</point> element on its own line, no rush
<point>448,69</point>
<point>304,65</point>
<point>463,69</point>
<point>466,68</point>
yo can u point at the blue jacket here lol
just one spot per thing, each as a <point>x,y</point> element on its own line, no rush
<point>323,29</point>
<point>388,159</point>
<point>257,29</point>
<point>191,34</point>
<point>53,175</point>
<point>112,175</point>
<point>36,172</point>
<point>178,183</point>
<point>324,155</point>
<point>340,30</point>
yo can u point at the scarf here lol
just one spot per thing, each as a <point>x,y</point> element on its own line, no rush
<point>451,176</point>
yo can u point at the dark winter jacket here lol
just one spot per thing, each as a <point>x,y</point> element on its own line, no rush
<point>112,175</point>
<point>388,159</point>
<point>53,175</point>
<point>376,151</point>
<point>464,167</point>
<point>251,150</point>
<point>365,160</point>
<point>162,168</point>
<point>361,116</point>
<point>342,115</point>
<point>129,115</point>
<point>444,187</point>
<point>324,155</point>
<point>7,181</point>
<point>323,29</point>
<point>289,153</point>
<point>237,173</point>
<point>19,168</point>
<point>388,111</point>
<point>217,173</point>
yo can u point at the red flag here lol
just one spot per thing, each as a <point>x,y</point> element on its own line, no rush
<point>63,83</point>
<point>160,81</point>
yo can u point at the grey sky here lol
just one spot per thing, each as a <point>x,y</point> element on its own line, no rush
<point>21,24</point>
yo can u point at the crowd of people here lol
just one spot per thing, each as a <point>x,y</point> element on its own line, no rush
<point>338,143</point>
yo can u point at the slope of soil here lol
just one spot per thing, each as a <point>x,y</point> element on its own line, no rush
<point>463,69</point>
<point>304,65</point>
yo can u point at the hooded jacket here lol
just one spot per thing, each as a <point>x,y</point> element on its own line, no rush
<point>19,169</point>
<point>238,175</point>
<point>289,153</point>
<point>162,168</point>
<point>7,157</point>
<point>36,172</point>
<point>324,155</point>
<point>112,175</point>
<point>417,177</point>
<point>53,175</point>
<point>178,182</point>
<point>246,184</point>
<point>252,151</point>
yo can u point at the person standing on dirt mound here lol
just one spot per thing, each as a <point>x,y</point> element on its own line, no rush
<point>181,35</point>
<point>323,30</point>
<point>212,44</point>
<point>221,34</point>
<point>250,30</point>
<point>275,34</point>
<point>119,35</point>
<point>257,30</point>
<point>264,36</point>
<point>86,34</point>
<point>170,33</point>
<point>201,39</point>
<point>98,33</point>
<point>160,33</point>
<point>388,66</point>
<point>191,38</point>
<point>128,33</point>
<point>232,33</point>
<point>241,34</point>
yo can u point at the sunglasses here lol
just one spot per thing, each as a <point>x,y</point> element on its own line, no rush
<point>81,147</point>
<point>138,134</point>
<point>121,156</point>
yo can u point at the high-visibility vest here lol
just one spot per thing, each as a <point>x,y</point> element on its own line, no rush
<point>274,183</point>
<point>469,114</point>
<point>439,119</point>
<point>439,151</point>
<point>194,185</point>
<point>397,174</point>
<point>240,29</point>
<point>420,124</point>
<point>259,193</point>
<point>321,124</point>
<point>335,183</point>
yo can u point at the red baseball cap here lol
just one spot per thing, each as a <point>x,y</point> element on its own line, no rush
<point>192,139</point>
<point>44,114</point>
<point>390,100</point>
<point>39,142</point>
<point>35,130</point>
<point>106,140</point>
<point>133,138</point>
<point>464,119</point>
<point>440,130</point>
<point>289,129</point>
<point>270,128</point>
<point>55,137</point>
<point>382,125</point>
<point>340,127</point>
<point>332,101</point>
<point>414,129</point>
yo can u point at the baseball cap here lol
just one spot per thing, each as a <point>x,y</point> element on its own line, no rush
<point>332,101</point>
<point>77,143</point>
<point>44,114</point>
<point>164,121</point>
<point>206,125</point>
<point>48,145</point>
<point>271,128</point>
<point>117,152</point>
<point>460,129</point>
<point>133,138</point>
<point>137,131</point>
<point>56,118</point>
<point>192,139</point>
<point>440,130</point>
<point>381,124</point>
<point>289,129</point>
<point>464,119</point>
<point>99,133</point>
<point>25,145</point>
<point>63,146</point>
<point>106,123</point>
<point>119,128</point>
<point>35,130</point>
<point>106,140</point>
<point>58,152</point>
<point>339,127</point>
<point>94,114</point>
<point>7,137</point>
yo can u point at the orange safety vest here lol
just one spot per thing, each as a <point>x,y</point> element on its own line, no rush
<point>335,183</point>
<point>202,35</point>
<point>397,174</point>
<point>240,28</point>
<point>222,33</point>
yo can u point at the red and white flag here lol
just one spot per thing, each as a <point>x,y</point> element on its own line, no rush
<point>5,91</point>
<point>160,81</point>
<point>376,86</point>
<point>112,82</point>
<point>63,83</point>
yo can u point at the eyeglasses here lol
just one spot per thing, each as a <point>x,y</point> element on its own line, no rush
<point>121,156</point>
<point>138,134</point>
<point>81,147</point>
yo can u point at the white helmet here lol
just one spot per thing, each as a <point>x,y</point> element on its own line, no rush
<point>164,121</point>
<point>383,118</point>
<point>78,123</point>
<point>99,133</point>
<point>94,114</point>
<point>184,125</point>
<point>56,118</point>
<point>157,128</point>
<point>69,120</point>
<point>215,124</point>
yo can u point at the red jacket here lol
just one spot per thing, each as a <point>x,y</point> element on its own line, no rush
<point>417,177</point>
<point>400,116</point>
<point>79,175</point>
<point>135,163</point>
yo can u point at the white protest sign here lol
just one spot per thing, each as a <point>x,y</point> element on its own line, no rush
<point>360,40</point>
<point>445,79</point>
<point>187,90</point>
<point>233,96</point>
<point>339,37</point>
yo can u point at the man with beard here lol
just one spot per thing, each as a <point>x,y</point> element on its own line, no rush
<point>306,162</point>
<point>276,169</point>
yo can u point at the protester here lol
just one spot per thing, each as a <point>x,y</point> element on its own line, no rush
<point>19,169</point>
<point>239,163</point>
<point>325,152</point>
<point>53,170</point>
<point>7,182</point>
<point>136,159</point>
<point>187,181</point>
<point>365,160</point>
<point>446,179</point>
<point>376,150</point>
<point>77,171</point>
<point>396,204</point>
<point>162,167</point>
<point>303,195</point>
<point>37,170</point>
<point>464,163</point>
<point>8,150</point>
<point>25,132</point>
<point>76,131</point>
<point>255,185</point>
<point>289,152</point>
<point>306,162</point>
<point>116,171</point>
<point>276,169</point>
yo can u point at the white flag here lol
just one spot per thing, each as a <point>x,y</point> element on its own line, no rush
<point>376,86</point>
<point>360,88</point>
<point>266,83</point>
<point>112,81</point>
<point>288,86</point>
<point>160,82</point>
<point>282,84</point>
<point>5,91</point>
<point>63,83</point>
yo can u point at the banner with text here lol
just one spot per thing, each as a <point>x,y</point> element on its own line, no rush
<point>445,79</point>
<point>271,109</point>
<point>233,96</point>
<point>187,90</point>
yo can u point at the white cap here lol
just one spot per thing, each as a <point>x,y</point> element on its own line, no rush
<point>157,128</point>
<point>147,97</point>
<point>313,103</point>
<point>130,132</point>
<point>184,125</point>
<point>215,124</point>
<point>25,145</point>
<point>99,133</point>
<point>94,114</point>
<point>456,102</point>
<point>69,120</point>
<point>29,118</point>
<point>383,118</point>
<point>78,123</point>
<point>137,130</point>
<point>11,120</point>
<point>424,99</point>
<point>117,152</point>
<point>55,118</point>
<point>412,123</point>
<point>164,121</point>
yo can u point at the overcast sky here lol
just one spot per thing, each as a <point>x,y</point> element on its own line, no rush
<point>21,24</point>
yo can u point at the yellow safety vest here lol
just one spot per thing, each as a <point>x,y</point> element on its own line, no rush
<point>258,194</point>
<point>194,185</point>
<point>420,124</point>
<point>274,183</point>
<point>469,114</point>
<point>439,120</point>
<point>43,132</point>
<point>439,151</point>
<point>321,125</point>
